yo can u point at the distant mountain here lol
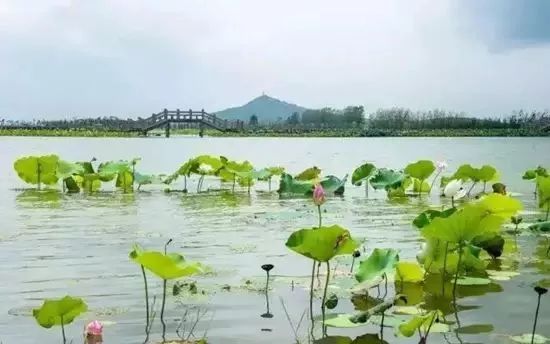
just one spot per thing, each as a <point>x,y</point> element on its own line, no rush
<point>267,109</point>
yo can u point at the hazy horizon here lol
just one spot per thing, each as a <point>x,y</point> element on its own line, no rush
<point>125,58</point>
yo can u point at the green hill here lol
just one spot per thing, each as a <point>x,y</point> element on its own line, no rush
<point>267,109</point>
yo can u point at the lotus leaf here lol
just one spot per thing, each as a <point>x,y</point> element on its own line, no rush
<point>427,216</point>
<point>543,187</point>
<point>276,170</point>
<point>380,262</point>
<point>289,185</point>
<point>475,329</point>
<point>332,184</point>
<point>500,205</point>
<point>420,170</point>
<point>473,281</point>
<point>409,272</point>
<point>311,173</point>
<point>491,243</point>
<point>529,175</point>
<point>528,338</point>
<point>425,188</point>
<point>467,172</point>
<point>67,169</point>
<point>37,169</point>
<point>387,179</point>
<point>322,244</point>
<point>540,227</point>
<point>59,312</point>
<point>341,321</point>
<point>166,267</point>
<point>422,323</point>
<point>362,174</point>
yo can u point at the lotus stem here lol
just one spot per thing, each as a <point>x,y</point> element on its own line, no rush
<point>267,282</point>
<point>166,246</point>
<point>444,272</point>
<point>547,210</point>
<point>367,188</point>
<point>146,302</point>
<point>269,183</point>
<point>471,188</point>
<point>433,181</point>
<point>63,330</point>
<point>249,186</point>
<point>420,189</point>
<point>162,311</point>
<point>536,318</point>
<point>234,179</point>
<point>385,286</point>
<point>352,263</point>
<point>484,186</point>
<point>185,182</point>
<point>457,269</point>
<point>325,296</point>
<point>452,202</point>
<point>38,173</point>
<point>382,327</point>
<point>320,216</point>
<point>311,298</point>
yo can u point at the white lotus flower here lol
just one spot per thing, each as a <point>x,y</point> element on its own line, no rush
<point>441,166</point>
<point>452,189</point>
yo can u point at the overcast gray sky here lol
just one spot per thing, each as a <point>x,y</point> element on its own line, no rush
<point>60,58</point>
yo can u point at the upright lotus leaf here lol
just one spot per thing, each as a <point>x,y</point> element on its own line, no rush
<point>59,311</point>
<point>91,182</point>
<point>421,186</point>
<point>113,169</point>
<point>125,180</point>
<point>322,244</point>
<point>500,205</point>
<point>276,170</point>
<point>67,169</point>
<point>387,179</point>
<point>420,170</point>
<point>530,175</point>
<point>484,174</point>
<point>362,174</point>
<point>309,174</point>
<point>86,166</point>
<point>380,262</point>
<point>427,216</point>
<point>492,243</point>
<point>434,257</point>
<point>166,267</point>
<point>422,323</point>
<point>464,172</point>
<point>487,173</point>
<point>332,184</point>
<point>409,272</point>
<point>543,187</point>
<point>37,169</point>
<point>289,185</point>
<point>209,165</point>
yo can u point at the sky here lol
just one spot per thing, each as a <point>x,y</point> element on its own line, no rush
<point>130,58</point>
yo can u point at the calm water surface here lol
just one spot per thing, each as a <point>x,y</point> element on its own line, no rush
<point>53,244</point>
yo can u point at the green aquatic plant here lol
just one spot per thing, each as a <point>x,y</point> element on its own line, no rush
<point>233,171</point>
<point>288,185</point>
<point>321,245</point>
<point>123,171</point>
<point>166,267</point>
<point>424,218</point>
<point>485,174</point>
<point>543,186</point>
<point>363,174</point>
<point>420,171</point>
<point>273,172</point>
<point>377,265</point>
<point>59,312</point>
<point>394,182</point>
<point>37,170</point>
<point>533,174</point>
<point>311,173</point>
<point>422,324</point>
<point>66,172</point>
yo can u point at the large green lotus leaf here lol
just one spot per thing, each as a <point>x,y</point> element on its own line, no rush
<point>543,187</point>
<point>166,267</point>
<point>409,272</point>
<point>380,262</point>
<point>387,179</point>
<point>86,166</point>
<point>540,227</point>
<point>421,169</point>
<point>91,182</point>
<point>342,321</point>
<point>322,244</point>
<point>500,205</point>
<point>335,185</point>
<point>263,174</point>
<point>528,338</point>
<point>309,174</point>
<point>208,164</point>
<point>144,179</point>
<point>124,180</point>
<point>464,225</point>
<point>426,187</point>
<point>60,311</point>
<point>529,175</point>
<point>73,183</point>
<point>464,172</point>
<point>486,173</point>
<point>427,216</point>
<point>422,323</point>
<point>362,174</point>
<point>236,167</point>
<point>66,169</point>
<point>289,185</point>
<point>276,170</point>
<point>433,257</point>
<point>190,166</point>
<point>114,167</point>
<point>491,243</point>
<point>37,169</point>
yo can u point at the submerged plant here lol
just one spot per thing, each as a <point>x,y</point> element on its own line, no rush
<point>59,312</point>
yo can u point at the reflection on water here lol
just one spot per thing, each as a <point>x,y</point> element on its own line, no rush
<point>54,244</point>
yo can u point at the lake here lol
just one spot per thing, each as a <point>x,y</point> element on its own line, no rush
<point>53,244</point>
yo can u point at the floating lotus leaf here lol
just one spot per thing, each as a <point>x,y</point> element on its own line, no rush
<point>59,312</point>
<point>363,173</point>
<point>311,173</point>
<point>422,323</point>
<point>166,267</point>
<point>475,329</point>
<point>473,281</point>
<point>421,169</point>
<point>387,179</point>
<point>427,216</point>
<point>322,244</point>
<point>409,272</point>
<point>341,321</point>
<point>380,262</point>
<point>37,169</point>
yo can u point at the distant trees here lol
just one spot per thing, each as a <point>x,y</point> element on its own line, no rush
<point>351,116</point>
<point>253,122</point>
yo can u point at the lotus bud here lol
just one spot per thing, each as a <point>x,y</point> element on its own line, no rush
<point>541,290</point>
<point>95,328</point>
<point>441,166</point>
<point>452,188</point>
<point>319,195</point>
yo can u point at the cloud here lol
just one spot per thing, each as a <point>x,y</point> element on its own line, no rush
<point>62,58</point>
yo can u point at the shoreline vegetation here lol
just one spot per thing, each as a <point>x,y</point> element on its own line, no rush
<point>290,132</point>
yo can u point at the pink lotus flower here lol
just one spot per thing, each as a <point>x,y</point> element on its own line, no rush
<point>94,328</point>
<point>441,166</point>
<point>319,195</point>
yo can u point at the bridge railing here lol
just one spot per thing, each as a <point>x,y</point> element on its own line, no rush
<point>193,116</point>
